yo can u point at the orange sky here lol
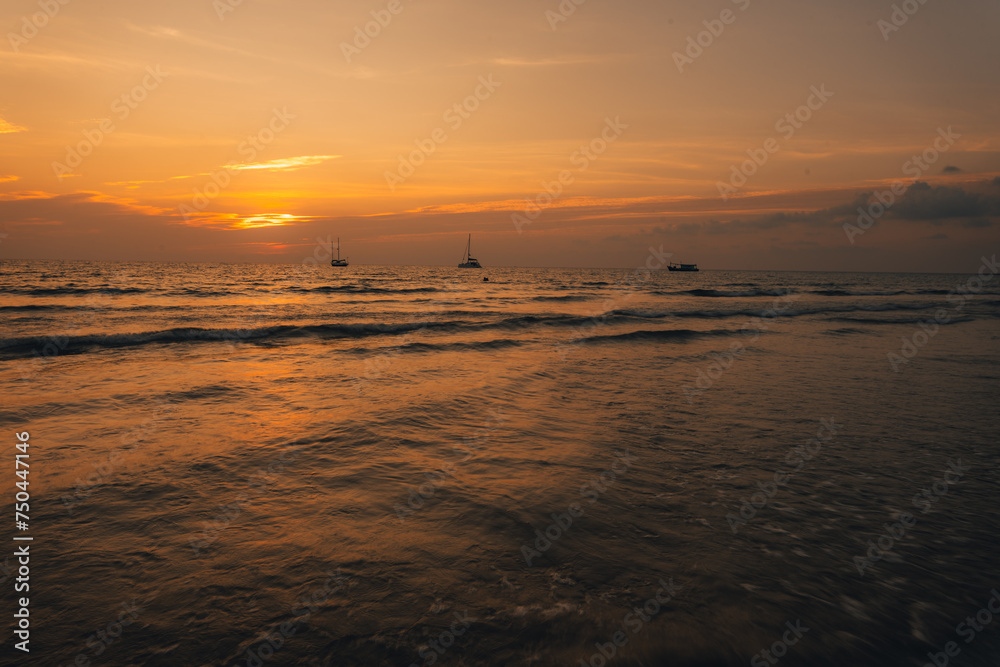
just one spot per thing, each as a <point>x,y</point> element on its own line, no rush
<point>210,131</point>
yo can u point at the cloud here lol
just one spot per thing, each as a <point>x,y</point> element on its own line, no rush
<point>286,164</point>
<point>8,179</point>
<point>87,225</point>
<point>951,169</point>
<point>977,223</point>
<point>922,201</point>
<point>973,204</point>
<point>268,220</point>
<point>219,220</point>
<point>281,164</point>
<point>43,207</point>
<point>7,127</point>
<point>549,62</point>
<point>772,221</point>
<point>214,43</point>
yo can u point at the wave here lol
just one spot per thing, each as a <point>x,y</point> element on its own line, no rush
<point>954,291</point>
<point>32,308</point>
<point>527,321</point>
<point>205,293</point>
<point>915,292</point>
<point>457,346</point>
<point>361,289</point>
<point>502,343</point>
<point>455,321</point>
<point>775,292</point>
<point>201,293</point>
<point>899,320</point>
<point>658,334</point>
<point>56,345</point>
<point>565,297</point>
<point>766,313</point>
<point>71,291</point>
<point>727,294</point>
<point>845,331</point>
<point>843,292</point>
<point>61,344</point>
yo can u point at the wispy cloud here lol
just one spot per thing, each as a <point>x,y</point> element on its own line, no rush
<point>8,127</point>
<point>281,164</point>
<point>268,220</point>
<point>52,60</point>
<point>554,61</point>
<point>242,221</point>
<point>213,43</point>
<point>287,163</point>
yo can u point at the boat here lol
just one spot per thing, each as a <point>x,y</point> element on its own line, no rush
<point>468,261</point>
<point>337,261</point>
<point>673,266</point>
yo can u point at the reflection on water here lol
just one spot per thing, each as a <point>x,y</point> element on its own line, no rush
<point>404,466</point>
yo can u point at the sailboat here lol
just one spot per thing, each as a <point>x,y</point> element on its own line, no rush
<point>337,261</point>
<point>468,261</point>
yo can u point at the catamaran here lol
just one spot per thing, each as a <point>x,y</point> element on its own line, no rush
<point>468,261</point>
<point>682,267</point>
<point>337,261</point>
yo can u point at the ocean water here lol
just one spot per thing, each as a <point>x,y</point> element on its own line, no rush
<point>263,465</point>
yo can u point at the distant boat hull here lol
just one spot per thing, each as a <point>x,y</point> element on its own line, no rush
<point>682,267</point>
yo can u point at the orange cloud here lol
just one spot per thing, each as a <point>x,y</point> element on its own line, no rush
<point>268,220</point>
<point>287,163</point>
<point>7,127</point>
<point>240,221</point>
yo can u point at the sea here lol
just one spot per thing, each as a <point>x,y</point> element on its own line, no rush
<point>248,465</point>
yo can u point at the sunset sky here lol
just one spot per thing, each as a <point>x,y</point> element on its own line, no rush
<point>303,122</point>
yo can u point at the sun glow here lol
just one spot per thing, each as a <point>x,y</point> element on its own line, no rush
<point>267,220</point>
